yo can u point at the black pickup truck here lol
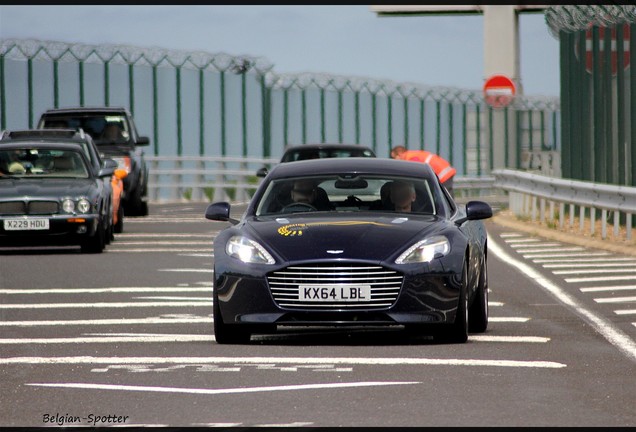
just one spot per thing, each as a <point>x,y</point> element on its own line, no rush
<point>113,130</point>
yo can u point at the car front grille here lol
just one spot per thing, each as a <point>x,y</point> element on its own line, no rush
<point>285,285</point>
<point>28,207</point>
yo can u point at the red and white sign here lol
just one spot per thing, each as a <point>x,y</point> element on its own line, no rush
<point>499,91</point>
<point>589,50</point>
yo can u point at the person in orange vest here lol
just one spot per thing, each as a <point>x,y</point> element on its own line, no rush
<point>445,172</point>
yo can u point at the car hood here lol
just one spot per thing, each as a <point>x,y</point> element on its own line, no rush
<point>348,237</point>
<point>44,187</point>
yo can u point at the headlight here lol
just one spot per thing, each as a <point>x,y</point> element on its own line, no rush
<point>83,206</point>
<point>425,251</point>
<point>248,251</point>
<point>68,205</point>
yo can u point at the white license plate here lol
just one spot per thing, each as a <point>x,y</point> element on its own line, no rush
<point>26,224</point>
<point>341,293</point>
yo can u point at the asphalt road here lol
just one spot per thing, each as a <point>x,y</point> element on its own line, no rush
<point>125,338</point>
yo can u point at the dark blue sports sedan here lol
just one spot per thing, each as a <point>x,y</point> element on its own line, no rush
<point>351,242</point>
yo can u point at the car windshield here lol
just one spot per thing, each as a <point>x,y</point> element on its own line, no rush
<point>334,193</point>
<point>105,129</point>
<point>36,162</point>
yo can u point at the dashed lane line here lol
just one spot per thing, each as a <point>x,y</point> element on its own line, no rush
<point>604,327</point>
<point>370,361</point>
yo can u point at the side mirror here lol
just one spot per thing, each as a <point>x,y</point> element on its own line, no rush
<point>106,172</point>
<point>261,172</point>
<point>110,163</point>
<point>219,211</point>
<point>143,141</point>
<point>476,210</point>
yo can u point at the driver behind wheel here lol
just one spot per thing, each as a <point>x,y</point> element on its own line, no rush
<point>305,191</point>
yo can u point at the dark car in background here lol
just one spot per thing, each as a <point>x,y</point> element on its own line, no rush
<point>50,195</point>
<point>87,143</point>
<point>114,131</point>
<point>320,151</point>
<point>353,260</point>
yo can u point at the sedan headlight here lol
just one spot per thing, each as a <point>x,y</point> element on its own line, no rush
<point>425,251</point>
<point>82,205</point>
<point>248,251</point>
<point>68,205</point>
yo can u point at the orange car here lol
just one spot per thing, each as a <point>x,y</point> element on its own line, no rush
<point>117,181</point>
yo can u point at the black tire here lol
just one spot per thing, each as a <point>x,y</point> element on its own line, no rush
<point>97,242</point>
<point>458,331</point>
<point>227,334</point>
<point>478,312</point>
<point>119,226</point>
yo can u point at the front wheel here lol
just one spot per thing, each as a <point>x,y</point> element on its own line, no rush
<point>458,331</point>
<point>97,242</point>
<point>478,312</point>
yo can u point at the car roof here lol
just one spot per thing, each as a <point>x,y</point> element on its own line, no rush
<point>53,135</point>
<point>352,165</point>
<point>87,110</point>
<point>53,145</point>
<point>327,146</point>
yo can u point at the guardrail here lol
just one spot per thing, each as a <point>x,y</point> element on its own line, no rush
<point>529,193</point>
<point>209,178</point>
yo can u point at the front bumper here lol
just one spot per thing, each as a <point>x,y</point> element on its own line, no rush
<point>63,230</point>
<point>422,298</point>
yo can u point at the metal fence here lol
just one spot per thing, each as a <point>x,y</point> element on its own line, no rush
<point>217,105</point>
<point>598,91</point>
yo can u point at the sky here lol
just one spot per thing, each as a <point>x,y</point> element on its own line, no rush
<point>350,40</point>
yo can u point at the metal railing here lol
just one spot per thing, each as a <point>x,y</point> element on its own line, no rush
<point>201,178</point>
<point>529,194</point>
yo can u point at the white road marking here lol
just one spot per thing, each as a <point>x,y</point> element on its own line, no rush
<point>175,298</point>
<point>524,339</point>
<point>565,255</point>
<point>403,361</point>
<point>522,240</point>
<point>600,279</point>
<point>625,312</point>
<point>561,249</point>
<point>163,243</point>
<point>109,322</point>
<point>587,265</point>
<point>106,290</point>
<point>188,270</point>
<point>223,391</point>
<point>603,326</point>
<point>103,305</point>
<point>593,271</point>
<point>609,288</point>
<point>615,300</point>
<point>511,235</point>
<point>508,319</point>
<point>533,246</point>
<point>584,260</point>
<point>110,339</point>
<point>115,249</point>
